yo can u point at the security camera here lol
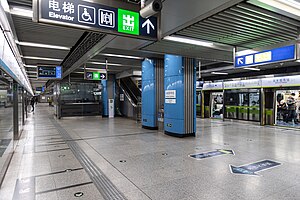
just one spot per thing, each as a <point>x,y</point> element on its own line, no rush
<point>151,9</point>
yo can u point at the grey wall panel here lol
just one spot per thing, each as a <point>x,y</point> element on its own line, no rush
<point>110,86</point>
<point>181,12</point>
<point>189,95</point>
<point>159,78</point>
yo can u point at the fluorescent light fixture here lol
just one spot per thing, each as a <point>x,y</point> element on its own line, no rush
<point>95,69</point>
<point>269,76</point>
<point>245,52</point>
<point>253,69</point>
<point>297,61</point>
<point>189,41</point>
<point>291,3</point>
<point>41,58</point>
<point>21,12</point>
<point>30,66</point>
<point>121,56</point>
<point>31,44</point>
<point>100,63</point>
<point>219,73</point>
<point>290,6</point>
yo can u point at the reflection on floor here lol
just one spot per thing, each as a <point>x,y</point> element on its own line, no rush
<point>3,145</point>
<point>142,164</point>
<point>288,124</point>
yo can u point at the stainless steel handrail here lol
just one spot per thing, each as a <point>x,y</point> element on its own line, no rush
<point>128,96</point>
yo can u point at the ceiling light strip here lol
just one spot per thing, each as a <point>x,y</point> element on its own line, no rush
<point>48,46</point>
<point>219,73</point>
<point>122,56</point>
<point>41,58</point>
<point>253,69</point>
<point>189,41</point>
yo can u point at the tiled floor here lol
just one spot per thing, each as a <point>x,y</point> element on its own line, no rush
<point>155,166</point>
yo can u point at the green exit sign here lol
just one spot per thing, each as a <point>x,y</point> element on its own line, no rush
<point>96,76</point>
<point>128,22</point>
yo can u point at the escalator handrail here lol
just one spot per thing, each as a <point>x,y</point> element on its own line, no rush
<point>132,87</point>
<point>129,91</point>
<point>128,96</point>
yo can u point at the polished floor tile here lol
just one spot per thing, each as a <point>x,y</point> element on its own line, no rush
<point>145,164</point>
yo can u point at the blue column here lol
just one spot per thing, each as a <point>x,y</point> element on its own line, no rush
<point>180,104</point>
<point>148,95</point>
<point>104,98</point>
<point>173,111</point>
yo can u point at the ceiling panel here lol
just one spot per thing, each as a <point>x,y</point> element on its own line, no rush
<point>21,2</point>
<point>29,31</point>
<point>43,52</point>
<point>189,50</point>
<point>123,61</point>
<point>41,62</point>
<point>244,25</point>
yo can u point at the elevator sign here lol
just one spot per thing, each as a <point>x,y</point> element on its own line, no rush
<point>281,54</point>
<point>96,17</point>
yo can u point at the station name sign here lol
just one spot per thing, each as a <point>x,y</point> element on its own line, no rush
<point>286,53</point>
<point>97,17</point>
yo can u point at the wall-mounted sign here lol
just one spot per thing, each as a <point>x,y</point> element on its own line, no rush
<point>199,84</point>
<point>285,81</point>
<point>38,89</point>
<point>47,72</point>
<point>213,86</point>
<point>122,98</point>
<point>95,76</point>
<point>286,53</point>
<point>86,15</point>
<point>253,83</point>
<point>170,94</point>
<point>170,101</point>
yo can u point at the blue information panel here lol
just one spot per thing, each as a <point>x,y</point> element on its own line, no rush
<point>47,72</point>
<point>88,15</point>
<point>266,57</point>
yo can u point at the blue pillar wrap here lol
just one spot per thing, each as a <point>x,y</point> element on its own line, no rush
<point>174,80</point>
<point>104,98</point>
<point>148,95</point>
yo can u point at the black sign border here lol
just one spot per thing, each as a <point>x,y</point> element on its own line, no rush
<point>37,18</point>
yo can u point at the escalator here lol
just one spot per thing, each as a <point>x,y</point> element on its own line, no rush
<point>129,87</point>
<point>131,107</point>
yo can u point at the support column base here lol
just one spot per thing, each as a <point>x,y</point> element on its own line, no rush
<point>180,135</point>
<point>149,128</point>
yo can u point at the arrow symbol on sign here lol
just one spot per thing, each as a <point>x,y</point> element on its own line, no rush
<point>240,61</point>
<point>149,24</point>
<point>103,76</point>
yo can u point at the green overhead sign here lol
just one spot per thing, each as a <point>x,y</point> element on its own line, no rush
<point>128,22</point>
<point>95,76</point>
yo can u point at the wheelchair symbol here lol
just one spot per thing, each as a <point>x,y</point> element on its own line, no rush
<point>86,14</point>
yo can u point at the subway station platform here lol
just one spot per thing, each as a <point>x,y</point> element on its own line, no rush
<point>100,158</point>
